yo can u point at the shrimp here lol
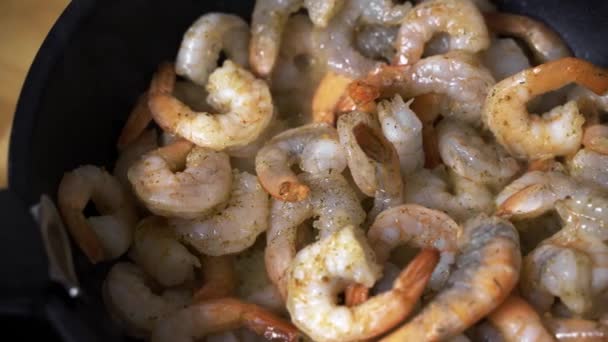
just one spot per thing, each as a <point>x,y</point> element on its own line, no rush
<point>100,237</point>
<point>196,321</point>
<point>545,43</point>
<point>157,251</point>
<point>586,210</point>
<point>504,58</point>
<point>487,269</point>
<point>403,129</point>
<point>231,88</point>
<point>138,120</point>
<point>471,156</point>
<point>254,285</point>
<point>459,18</point>
<point>331,199</point>
<point>376,41</point>
<point>219,278</point>
<point>571,265</point>
<point>592,105</point>
<point>589,166</point>
<point>595,138</point>
<point>427,108</point>
<point>203,184</point>
<point>224,232</point>
<point>327,96</point>
<point>576,329</point>
<point>555,133</point>
<point>209,35</point>
<point>443,190</point>
<point>517,321</point>
<point>274,160</point>
<point>134,304</point>
<point>321,270</point>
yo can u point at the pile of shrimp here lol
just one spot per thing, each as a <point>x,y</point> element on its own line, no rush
<point>357,170</point>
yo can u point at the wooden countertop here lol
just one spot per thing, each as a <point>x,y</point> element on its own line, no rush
<point>23,26</point>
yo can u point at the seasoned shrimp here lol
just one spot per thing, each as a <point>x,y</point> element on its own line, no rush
<point>219,278</point>
<point>209,35</point>
<point>331,199</point>
<point>245,99</point>
<point>203,184</point>
<point>589,166</point>
<point>571,265</point>
<point>327,96</point>
<point>467,153</point>
<point>459,18</point>
<point>138,120</point>
<point>234,228</point>
<point>100,237</point>
<point>576,329</point>
<point>504,58</point>
<point>403,129</point>
<point>133,303</point>
<point>273,162</point>
<point>321,270</point>
<point>439,189</point>
<point>517,321</point>
<point>545,43</point>
<point>595,138</point>
<point>555,133</point>
<point>157,251</point>
<point>196,321</point>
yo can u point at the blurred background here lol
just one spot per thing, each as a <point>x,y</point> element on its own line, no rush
<point>23,26</point>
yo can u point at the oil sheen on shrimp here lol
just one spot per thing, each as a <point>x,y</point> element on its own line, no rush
<point>518,321</point>
<point>209,35</point>
<point>589,166</point>
<point>234,228</point>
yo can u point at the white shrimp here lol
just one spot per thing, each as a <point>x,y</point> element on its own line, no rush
<point>102,237</point>
<point>467,153</point>
<point>302,144</point>
<point>403,129</point>
<point>130,299</point>
<point>487,269</point>
<point>203,184</point>
<point>504,58</point>
<point>331,199</point>
<point>376,41</point>
<point>322,270</point>
<point>590,104</point>
<point>518,321</point>
<point>555,133</point>
<point>234,228</point>
<point>589,166</point>
<point>157,250</point>
<point>439,189</point>
<point>586,211</point>
<point>209,35</point>
<point>459,18</point>
<point>245,101</point>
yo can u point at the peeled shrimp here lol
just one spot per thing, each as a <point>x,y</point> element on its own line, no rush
<point>331,199</point>
<point>573,329</point>
<point>517,321</point>
<point>589,166</point>
<point>586,211</point>
<point>132,302</point>
<point>157,251</point>
<point>321,270</point>
<point>545,43</point>
<point>376,41</point>
<point>327,96</point>
<point>246,101</point>
<point>403,129</point>
<point>234,228</point>
<point>439,189</point>
<point>555,133</point>
<point>101,237</point>
<point>203,184</point>
<point>218,315</point>
<point>459,18</point>
<point>274,160</point>
<point>209,35</point>
<point>591,105</point>
<point>504,58</point>
<point>471,156</point>
<point>596,138</point>
<point>487,269</point>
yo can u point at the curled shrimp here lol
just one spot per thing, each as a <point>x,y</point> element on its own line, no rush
<point>209,35</point>
<point>320,271</point>
<point>129,295</point>
<point>466,152</point>
<point>218,315</point>
<point>555,133</point>
<point>487,269</point>
<point>504,58</point>
<point>273,161</point>
<point>517,321</point>
<point>225,232</point>
<point>545,43</point>
<point>331,199</point>
<point>403,129</point>
<point>459,18</point>
<point>576,329</point>
<point>447,191</point>
<point>203,183</point>
<point>595,138</point>
<point>101,237</point>
<point>590,167</point>
<point>231,88</point>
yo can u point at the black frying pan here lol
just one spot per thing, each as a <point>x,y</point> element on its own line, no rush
<point>94,63</point>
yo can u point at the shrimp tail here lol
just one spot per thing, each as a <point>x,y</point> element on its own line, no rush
<point>136,123</point>
<point>270,326</point>
<point>355,294</point>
